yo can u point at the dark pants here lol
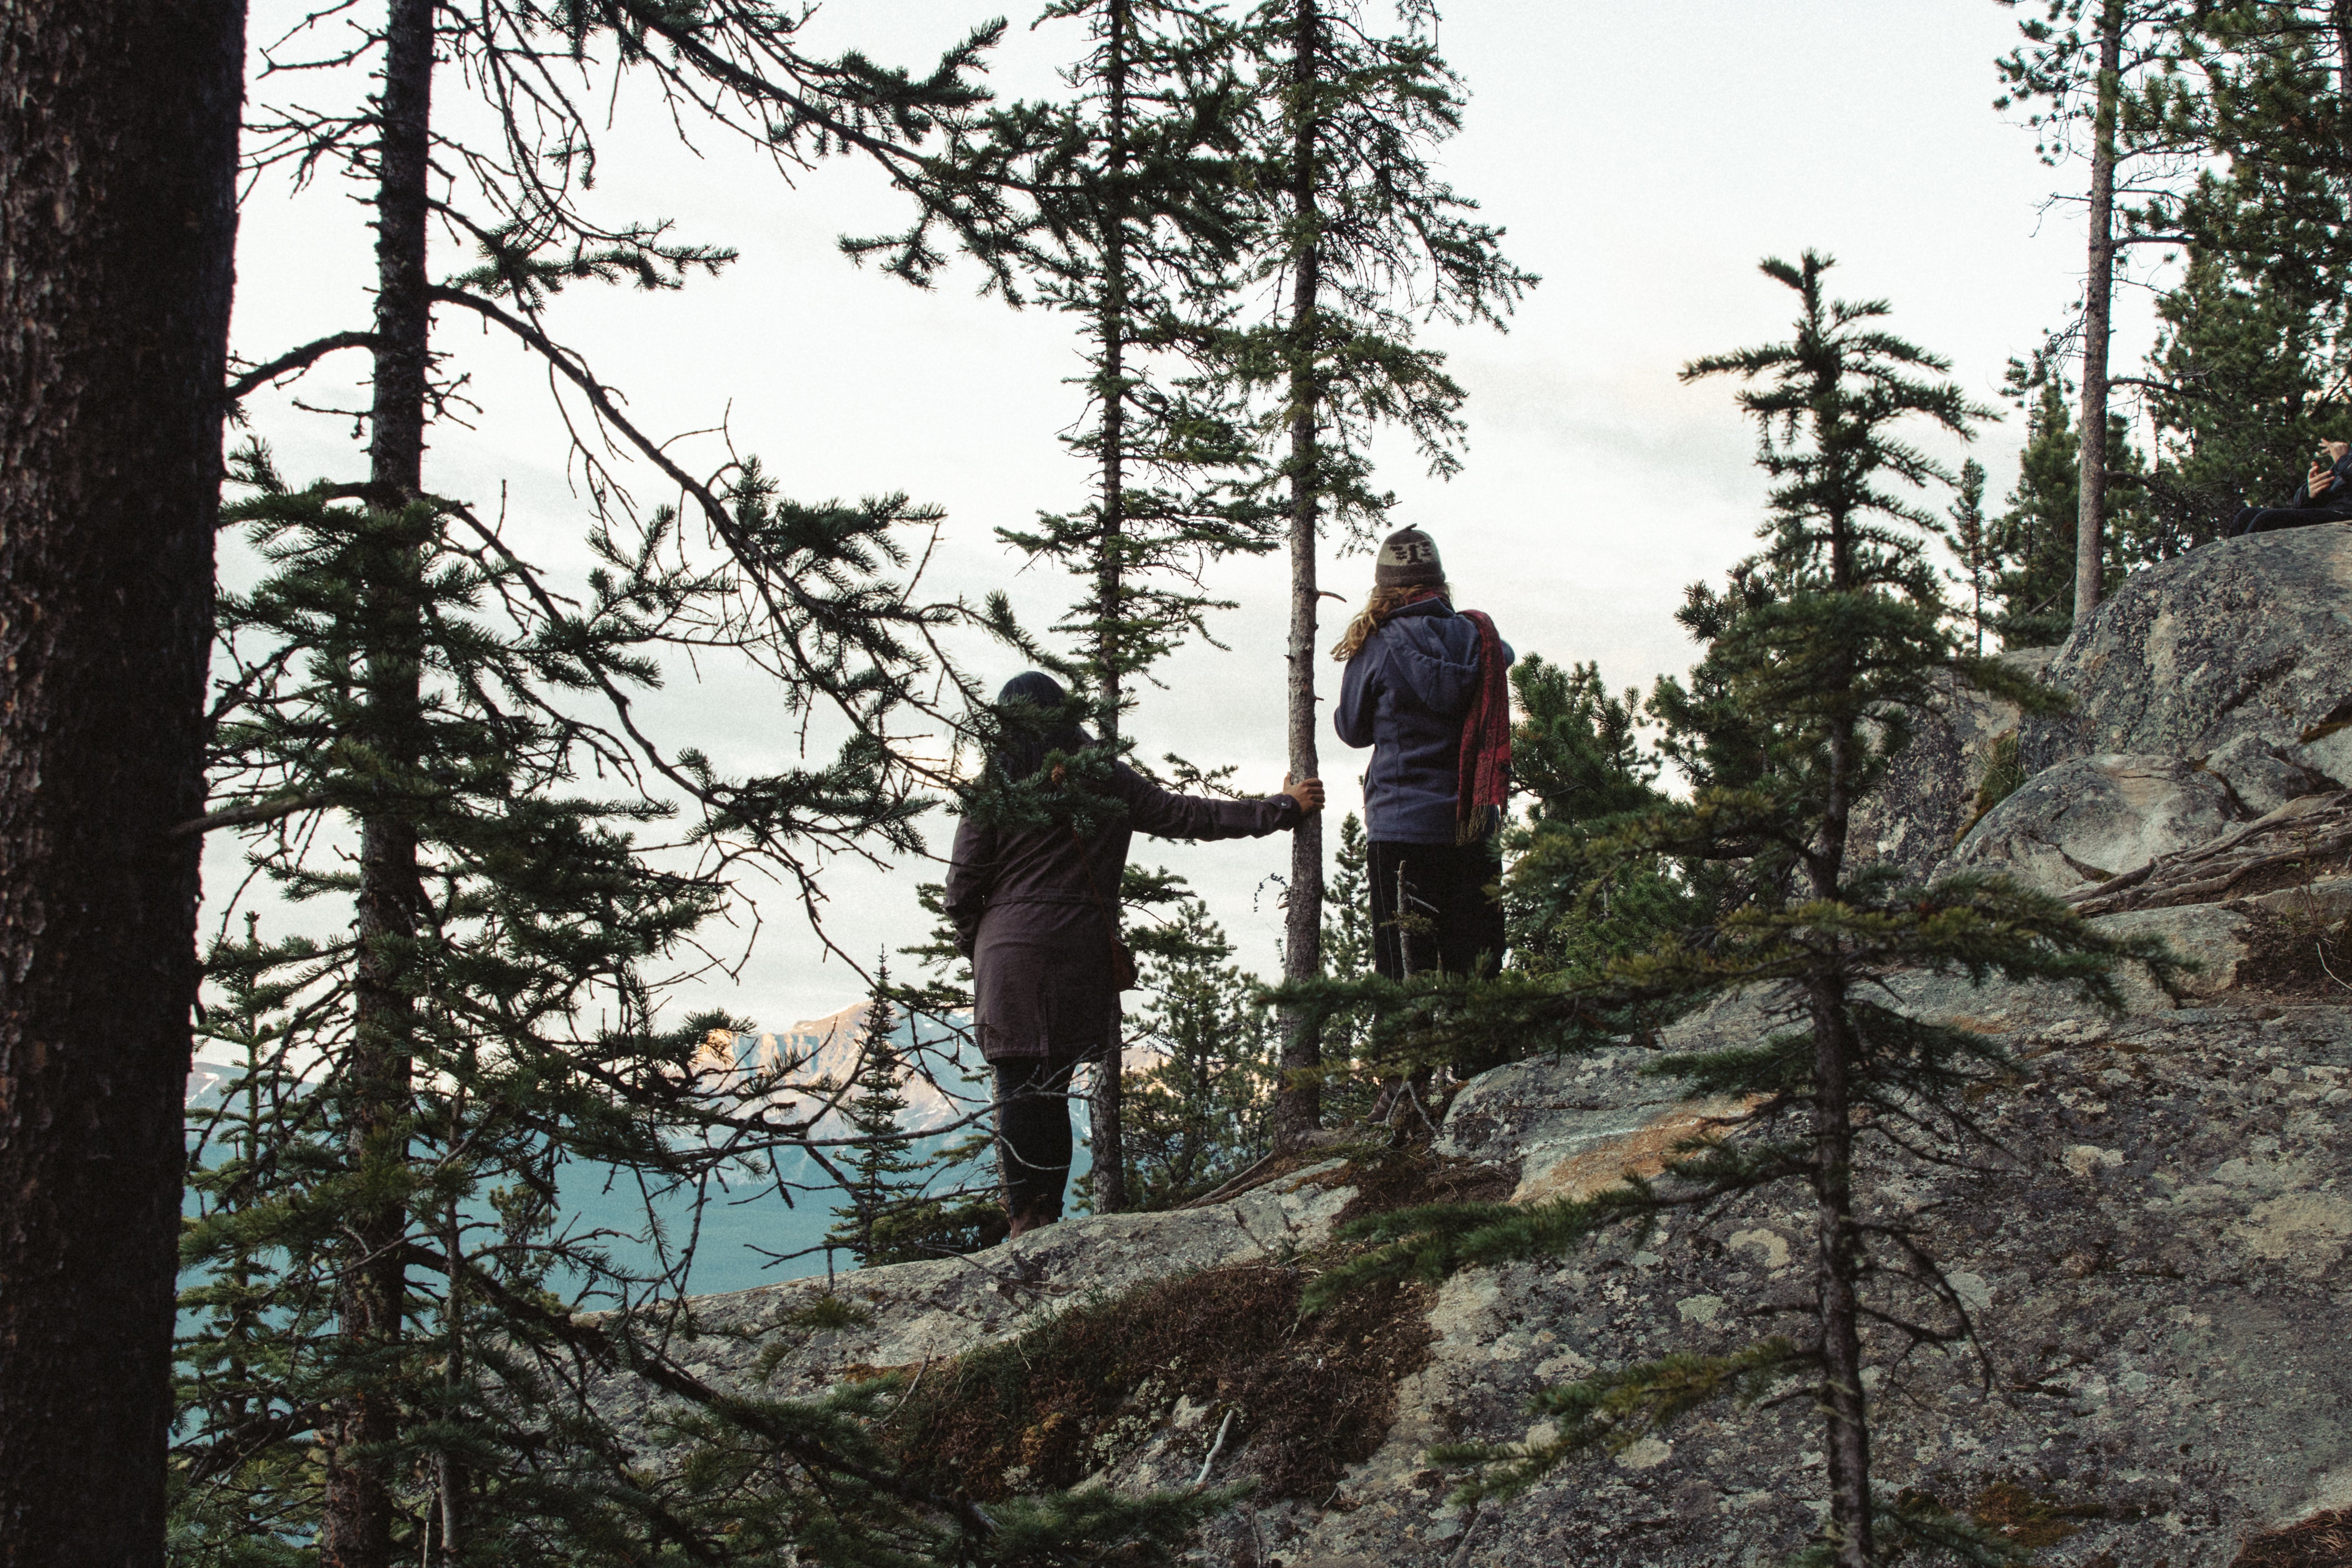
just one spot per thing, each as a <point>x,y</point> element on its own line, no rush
<point>2271,519</point>
<point>1448,921</point>
<point>1033,1134</point>
<point>1431,912</point>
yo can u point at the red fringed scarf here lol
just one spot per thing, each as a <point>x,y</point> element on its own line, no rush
<point>1486,777</point>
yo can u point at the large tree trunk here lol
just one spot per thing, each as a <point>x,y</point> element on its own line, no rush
<point>357,1529</point>
<point>2098,301</point>
<point>118,159</point>
<point>1109,1110</point>
<point>1300,1108</point>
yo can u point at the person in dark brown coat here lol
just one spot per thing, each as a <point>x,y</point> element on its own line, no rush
<point>1034,909</point>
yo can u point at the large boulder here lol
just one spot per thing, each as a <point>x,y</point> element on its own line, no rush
<point>1929,792</point>
<point>2090,819</point>
<point>2241,637</point>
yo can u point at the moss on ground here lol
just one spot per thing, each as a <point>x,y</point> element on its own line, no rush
<point>1308,1397</point>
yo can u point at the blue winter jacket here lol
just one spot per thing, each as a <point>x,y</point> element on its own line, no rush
<point>1405,695</point>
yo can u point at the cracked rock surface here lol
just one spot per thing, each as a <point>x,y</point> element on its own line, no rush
<point>2158,1261</point>
<point>2242,636</point>
<point>2076,824</point>
<point>2157,1273</point>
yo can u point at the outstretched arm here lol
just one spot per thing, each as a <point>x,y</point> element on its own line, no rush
<point>1164,813</point>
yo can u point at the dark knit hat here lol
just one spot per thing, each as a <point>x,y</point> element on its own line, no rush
<point>1407,557</point>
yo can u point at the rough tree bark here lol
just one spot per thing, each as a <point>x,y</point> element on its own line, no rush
<point>1837,1243</point>
<point>2098,302</point>
<point>356,1529</point>
<point>1300,1108</point>
<point>1837,1267</point>
<point>1109,1110</point>
<point>118,158</point>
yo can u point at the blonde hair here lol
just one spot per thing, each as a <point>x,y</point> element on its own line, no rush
<point>1384,603</point>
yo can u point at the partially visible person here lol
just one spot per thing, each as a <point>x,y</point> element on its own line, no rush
<point>1034,909</point>
<point>1425,689</point>
<point>2324,496</point>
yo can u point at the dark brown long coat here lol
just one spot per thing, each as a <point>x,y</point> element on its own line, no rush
<point>1040,952</point>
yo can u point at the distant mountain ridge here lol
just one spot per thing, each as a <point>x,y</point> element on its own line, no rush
<point>782,1066</point>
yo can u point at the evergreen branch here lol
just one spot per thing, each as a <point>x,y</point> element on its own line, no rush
<point>296,359</point>
<point>252,812</point>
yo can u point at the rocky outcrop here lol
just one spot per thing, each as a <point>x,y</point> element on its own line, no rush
<point>2156,1278</point>
<point>1930,789</point>
<point>2154,1256</point>
<point>2093,819</point>
<point>914,1313</point>
<point>2242,637</point>
<point>2155,1248</point>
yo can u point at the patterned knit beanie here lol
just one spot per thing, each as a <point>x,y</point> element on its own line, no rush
<point>1408,557</point>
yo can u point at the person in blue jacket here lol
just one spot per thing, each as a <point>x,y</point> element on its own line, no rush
<point>1424,688</point>
<point>2324,496</point>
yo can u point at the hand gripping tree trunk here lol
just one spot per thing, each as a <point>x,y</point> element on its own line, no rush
<point>117,156</point>
<point>357,1527</point>
<point>1300,1108</point>
<point>2098,307</point>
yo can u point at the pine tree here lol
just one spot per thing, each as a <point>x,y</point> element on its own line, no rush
<point>118,161</point>
<point>2032,542</point>
<point>1140,215</point>
<point>2029,548</point>
<point>2264,89</point>
<point>1819,650</point>
<point>1204,1111</point>
<point>1365,241</point>
<point>1348,1093</point>
<point>2248,372</point>
<point>878,1163</point>
<point>516,198</point>
<point>2086,68</point>
<point>1576,752</point>
<point>1971,545</point>
<point>2242,401</point>
<point>493,1019</point>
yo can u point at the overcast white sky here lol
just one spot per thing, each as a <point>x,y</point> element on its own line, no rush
<point>1643,159</point>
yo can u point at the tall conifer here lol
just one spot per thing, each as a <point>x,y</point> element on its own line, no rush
<point>1820,651</point>
<point>2250,369</point>
<point>1139,212</point>
<point>878,1163</point>
<point>2083,73</point>
<point>492,1019</point>
<point>1365,241</point>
